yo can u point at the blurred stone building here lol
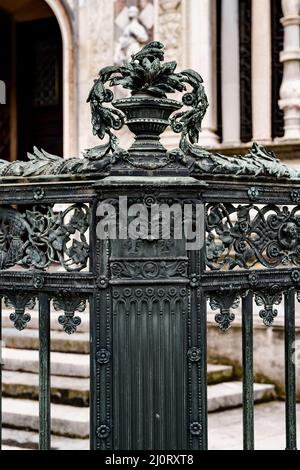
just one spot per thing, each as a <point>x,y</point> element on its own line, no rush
<point>248,52</point>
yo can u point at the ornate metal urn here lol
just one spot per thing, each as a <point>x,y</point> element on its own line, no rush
<point>147,117</point>
<point>148,111</point>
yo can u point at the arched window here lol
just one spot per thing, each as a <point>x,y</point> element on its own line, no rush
<point>40,78</point>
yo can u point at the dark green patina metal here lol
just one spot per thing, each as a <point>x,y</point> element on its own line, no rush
<point>148,298</point>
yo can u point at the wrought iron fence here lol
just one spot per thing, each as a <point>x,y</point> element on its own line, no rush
<point>148,295</point>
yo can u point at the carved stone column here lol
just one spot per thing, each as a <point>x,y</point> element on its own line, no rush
<point>95,49</point>
<point>202,47</point>
<point>290,89</point>
<point>261,71</point>
<point>169,29</point>
<point>230,72</point>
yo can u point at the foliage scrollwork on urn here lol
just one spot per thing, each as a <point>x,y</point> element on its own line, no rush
<point>69,303</point>
<point>20,302</point>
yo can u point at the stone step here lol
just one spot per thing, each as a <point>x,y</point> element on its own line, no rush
<point>64,390</point>
<point>23,440</point>
<point>12,448</point>
<point>55,326</point>
<point>72,421</point>
<point>230,395</point>
<point>77,365</point>
<point>66,420</point>
<point>217,373</point>
<point>60,341</point>
<point>62,364</point>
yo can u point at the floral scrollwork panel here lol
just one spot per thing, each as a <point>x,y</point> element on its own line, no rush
<point>20,302</point>
<point>69,303</point>
<point>224,301</point>
<point>248,235</point>
<point>268,298</point>
<point>40,236</point>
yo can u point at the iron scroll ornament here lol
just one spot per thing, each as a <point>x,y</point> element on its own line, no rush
<point>41,236</point>
<point>250,235</point>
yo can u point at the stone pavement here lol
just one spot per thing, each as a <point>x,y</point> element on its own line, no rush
<point>225,428</point>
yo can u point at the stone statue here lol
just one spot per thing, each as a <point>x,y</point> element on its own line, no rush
<point>134,35</point>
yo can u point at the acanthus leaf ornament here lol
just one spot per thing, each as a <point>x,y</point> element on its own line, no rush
<point>258,162</point>
<point>69,303</point>
<point>268,298</point>
<point>20,302</point>
<point>224,300</point>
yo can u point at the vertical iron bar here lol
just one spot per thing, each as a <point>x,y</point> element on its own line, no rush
<point>290,370</point>
<point>203,369</point>
<point>248,399</point>
<point>94,378</point>
<point>44,377</point>
<point>202,325</point>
